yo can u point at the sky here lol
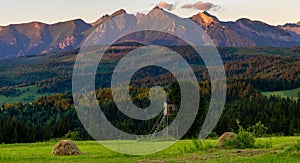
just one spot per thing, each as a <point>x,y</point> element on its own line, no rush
<point>274,12</point>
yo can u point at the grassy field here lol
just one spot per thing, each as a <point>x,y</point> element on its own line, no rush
<point>27,94</point>
<point>293,93</point>
<point>279,149</point>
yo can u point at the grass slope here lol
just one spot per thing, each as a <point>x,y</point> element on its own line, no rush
<point>293,93</point>
<point>282,150</point>
<point>27,94</point>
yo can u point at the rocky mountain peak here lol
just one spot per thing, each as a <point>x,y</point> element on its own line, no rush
<point>100,20</point>
<point>292,29</point>
<point>211,16</point>
<point>244,20</point>
<point>205,19</point>
<point>119,12</point>
<point>39,38</point>
<point>157,13</point>
<point>157,8</point>
<point>106,16</point>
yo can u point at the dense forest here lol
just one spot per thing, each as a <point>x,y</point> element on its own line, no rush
<point>249,72</point>
<point>54,116</point>
<point>266,68</point>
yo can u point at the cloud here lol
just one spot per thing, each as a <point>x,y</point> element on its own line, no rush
<point>201,6</point>
<point>166,5</point>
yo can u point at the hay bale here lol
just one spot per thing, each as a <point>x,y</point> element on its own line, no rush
<point>66,147</point>
<point>225,137</point>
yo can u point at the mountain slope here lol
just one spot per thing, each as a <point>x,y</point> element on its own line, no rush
<point>261,33</point>
<point>220,34</point>
<point>37,38</point>
<point>293,29</point>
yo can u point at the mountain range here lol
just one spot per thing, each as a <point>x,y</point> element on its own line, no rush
<point>39,38</point>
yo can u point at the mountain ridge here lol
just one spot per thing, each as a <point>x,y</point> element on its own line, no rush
<point>36,38</point>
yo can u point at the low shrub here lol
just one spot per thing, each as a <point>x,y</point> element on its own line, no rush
<point>243,139</point>
<point>258,130</point>
<point>73,135</point>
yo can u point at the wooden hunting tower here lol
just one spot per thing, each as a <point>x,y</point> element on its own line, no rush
<point>169,108</point>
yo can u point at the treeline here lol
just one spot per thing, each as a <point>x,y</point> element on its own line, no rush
<point>279,115</point>
<point>247,105</point>
<point>41,120</point>
<point>54,116</point>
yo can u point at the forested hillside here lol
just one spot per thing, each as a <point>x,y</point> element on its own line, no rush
<point>249,72</point>
<point>54,116</point>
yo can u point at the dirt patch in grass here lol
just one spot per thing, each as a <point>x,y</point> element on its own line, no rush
<point>250,153</point>
<point>225,154</point>
<point>152,161</point>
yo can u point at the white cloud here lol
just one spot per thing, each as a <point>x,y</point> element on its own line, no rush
<point>201,6</point>
<point>166,5</point>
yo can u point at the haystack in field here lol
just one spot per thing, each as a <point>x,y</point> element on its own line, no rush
<point>66,147</point>
<point>225,137</point>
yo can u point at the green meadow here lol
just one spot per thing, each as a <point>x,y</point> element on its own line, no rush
<point>272,149</point>
<point>25,94</point>
<point>293,93</point>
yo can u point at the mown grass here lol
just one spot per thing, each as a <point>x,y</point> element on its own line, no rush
<point>282,149</point>
<point>293,93</point>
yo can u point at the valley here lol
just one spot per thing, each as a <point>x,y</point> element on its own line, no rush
<point>39,105</point>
